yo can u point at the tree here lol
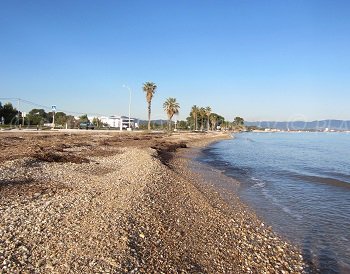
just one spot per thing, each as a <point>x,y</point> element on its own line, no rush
<point>83,119</point>
<point>97,122</point>
<point>202,114</point>
<point>63,119</point>
<point>213,120</point>
<point>216,120</point>
<point>220,120</point>
<point>171,107</point>
<point>182,125</point>
<point>238,122</point>
<point>60,118</point>
<point>208,112</point>
<point>226,125</point>
<point>149,88</point>
<point>70,121</point>
<point>37,116</point>
<point>1,117</point>
<point>9,113</point>
<point>194,114</point>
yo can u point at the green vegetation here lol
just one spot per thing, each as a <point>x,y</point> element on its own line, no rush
<point>238,123</point>
<point>207,119</point>
<point>155,125</point>
<point>199,118</point>
<point>61,119</point>
<point>208,112</point>
<point>193,117</point>
<point>150,89</point>
<point>202,115</point>
<point>97,122</point>
<point>203,118</point>
<point>9,114</point>
<point>171,107</point>
<point>40,117</point>
<point>37,117</point>
<point>83,119</point>
<point>183,125</point>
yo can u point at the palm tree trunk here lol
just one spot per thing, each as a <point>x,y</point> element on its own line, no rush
<point>149,116</point>
<point>169,124</point>
<point>208,123</point>
<point>195,122</point>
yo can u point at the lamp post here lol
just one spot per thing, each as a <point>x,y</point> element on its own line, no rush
<point>125,86</point>
<point>18,113</point>
<point>53,108</point>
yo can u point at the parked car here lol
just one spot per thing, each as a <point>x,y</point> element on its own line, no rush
<point>86,125</point>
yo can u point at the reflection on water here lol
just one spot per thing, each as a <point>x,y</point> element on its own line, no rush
<point>300,184</point>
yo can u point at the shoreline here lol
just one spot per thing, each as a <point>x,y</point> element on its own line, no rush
<point>216,184</point>
<point>126,204</point>
<point>279,200</point>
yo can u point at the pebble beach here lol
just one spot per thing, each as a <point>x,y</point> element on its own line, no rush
<point>125,203</point>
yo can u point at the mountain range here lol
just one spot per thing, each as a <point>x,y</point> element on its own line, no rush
<point>342,125</point>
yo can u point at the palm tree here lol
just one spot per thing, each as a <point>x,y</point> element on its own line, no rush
<point>213,120</point>
<point>171,107</point>
<point>208,112</point>
<point>150,89</point>
<point>202,115</point>
<point>194,112</point>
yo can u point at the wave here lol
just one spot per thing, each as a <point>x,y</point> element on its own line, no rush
<point>212,159</point>
<point>245,173</point>
<point>328,173</point>
<point>317,179</point>
<point>246,139</point>
<point>286,209</point>
<point>258,183</point>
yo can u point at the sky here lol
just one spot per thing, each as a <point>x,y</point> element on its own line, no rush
<point>260,60</point>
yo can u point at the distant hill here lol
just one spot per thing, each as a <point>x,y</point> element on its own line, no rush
<point>158,122</point>
<point>302,125</point>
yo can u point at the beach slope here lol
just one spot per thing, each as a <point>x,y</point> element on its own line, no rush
<point>124,203</point>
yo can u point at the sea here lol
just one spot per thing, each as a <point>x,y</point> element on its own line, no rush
<point>299,184</point>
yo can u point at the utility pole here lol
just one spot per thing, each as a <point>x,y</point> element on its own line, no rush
<point>125,86</point>
<point>18,106</point>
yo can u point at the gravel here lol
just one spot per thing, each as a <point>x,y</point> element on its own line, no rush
<point>129,211</point>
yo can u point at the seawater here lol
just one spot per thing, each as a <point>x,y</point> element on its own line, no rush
<point>299,183</point>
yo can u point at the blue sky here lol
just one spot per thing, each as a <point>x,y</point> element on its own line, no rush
<point>261,60</point>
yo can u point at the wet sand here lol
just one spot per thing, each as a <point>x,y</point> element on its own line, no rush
<point>124,203</point>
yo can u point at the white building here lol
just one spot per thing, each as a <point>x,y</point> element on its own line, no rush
<point>115,121</point>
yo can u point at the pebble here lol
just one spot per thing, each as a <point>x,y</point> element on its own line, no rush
<point>89,217</point>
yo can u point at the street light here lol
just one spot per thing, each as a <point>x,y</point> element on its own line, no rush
<point>53,108</point>
<point>125,86</point>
